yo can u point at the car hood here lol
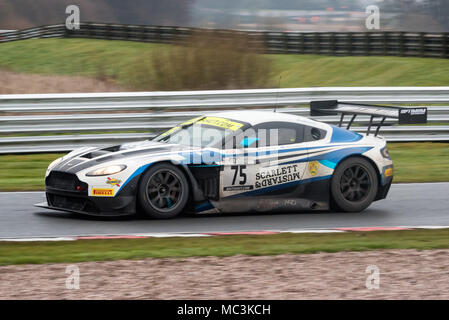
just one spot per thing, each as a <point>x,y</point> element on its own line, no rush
<point>86,157</point>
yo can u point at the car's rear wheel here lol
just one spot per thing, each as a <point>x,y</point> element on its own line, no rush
<point>163,191</point>
<point>354,185</point>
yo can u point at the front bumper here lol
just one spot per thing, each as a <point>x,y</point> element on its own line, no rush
<point>65,192</point>
<point>386,179</point>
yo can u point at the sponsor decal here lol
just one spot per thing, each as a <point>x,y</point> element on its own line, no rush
<point>212,121</point>
<point>221,123</point>
<point>313,168</point>
<point>273,176</point>
<point>414,111</point>
<point>102,192</point>
<point>179,126</point>
<point>238,188</point>
<point>290,202</point>
<point>114,182</point>
<point>388,172</point>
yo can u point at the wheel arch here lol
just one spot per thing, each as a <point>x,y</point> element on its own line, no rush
<point>333,204</point>
<point>371,161</point>
<point>194,190</point>
<point>359,155</point>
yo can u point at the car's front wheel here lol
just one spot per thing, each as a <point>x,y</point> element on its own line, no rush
<point>163,191</point>
<point>354,185</point>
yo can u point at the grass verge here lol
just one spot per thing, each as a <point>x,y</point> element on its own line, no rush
<point>325,71</point>
<point>115,59</point>
<point>414,162</point>
<point>24,172</point>
<point>287,243</point>
<point>420,162</point>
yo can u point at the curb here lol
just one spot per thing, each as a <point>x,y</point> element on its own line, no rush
<point>211,234</point>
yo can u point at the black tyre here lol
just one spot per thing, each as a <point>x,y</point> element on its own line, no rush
<point>163,191</point>
<point>354,185</point>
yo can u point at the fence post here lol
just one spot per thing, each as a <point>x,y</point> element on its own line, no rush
<point>316,45</point>
<point>401,44</point>
<point>350,44</point>
<point>445,45</point>
<point>301,42</point>
<point>384,43</point>
<point>284,41</point>
<point>367,43</point>
<point>332,43</point>
<point>422,44</point>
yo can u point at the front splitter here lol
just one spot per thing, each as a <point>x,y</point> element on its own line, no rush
<point>45,205</point>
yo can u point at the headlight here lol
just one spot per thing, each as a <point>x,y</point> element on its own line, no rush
<point>106,171</point>
<point>385,154</point>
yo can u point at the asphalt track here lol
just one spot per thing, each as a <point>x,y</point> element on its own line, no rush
<point>413,205</point>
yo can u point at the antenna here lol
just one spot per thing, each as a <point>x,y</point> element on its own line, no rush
<point>277,93</point>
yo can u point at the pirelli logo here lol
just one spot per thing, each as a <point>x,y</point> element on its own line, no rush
<point>102,192</point>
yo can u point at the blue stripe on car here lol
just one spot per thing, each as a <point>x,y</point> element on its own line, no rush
<point>204,206</point>
<point>135,174</point>
<point>333,156</point>
<point>328,163</point>
<point>340,135</point>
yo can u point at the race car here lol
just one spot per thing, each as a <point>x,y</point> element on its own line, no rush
<point>234,161</point>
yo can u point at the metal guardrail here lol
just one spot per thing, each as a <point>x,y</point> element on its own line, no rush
<point>387,43</point>
<point>62,122</point>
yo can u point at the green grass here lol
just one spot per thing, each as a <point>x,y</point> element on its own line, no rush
<point>420,162</point>
<point>24,172</point>
<point>101,250</point>
<point>115,59</point>
<point>324,71</point>
<point>414,162</point>
<point>75,57</point>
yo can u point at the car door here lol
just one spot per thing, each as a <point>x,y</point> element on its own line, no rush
<point>266,162</point>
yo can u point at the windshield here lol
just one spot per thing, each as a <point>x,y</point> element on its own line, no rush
<point>201,132</point>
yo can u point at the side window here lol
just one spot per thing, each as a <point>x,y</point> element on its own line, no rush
<point>313,134</point>
<point>279,133</point>
<point>246,139</point>
<point>286,136</point>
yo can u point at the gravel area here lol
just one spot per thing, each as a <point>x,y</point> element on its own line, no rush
<point>404,274</point>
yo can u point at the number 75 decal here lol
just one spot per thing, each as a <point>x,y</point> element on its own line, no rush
<point>238,170</point>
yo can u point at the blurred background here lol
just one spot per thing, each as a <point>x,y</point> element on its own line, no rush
<point>285,15</point>
<point>219,60</point>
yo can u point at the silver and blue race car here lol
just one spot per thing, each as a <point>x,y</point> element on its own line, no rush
<point>236,161</point>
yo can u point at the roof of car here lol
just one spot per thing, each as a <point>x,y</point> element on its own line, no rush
<point>257,117</point>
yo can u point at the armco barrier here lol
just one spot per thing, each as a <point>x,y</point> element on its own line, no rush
<point>62,122</point>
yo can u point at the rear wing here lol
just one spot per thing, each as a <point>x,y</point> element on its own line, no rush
<point>334,107</point>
